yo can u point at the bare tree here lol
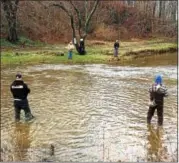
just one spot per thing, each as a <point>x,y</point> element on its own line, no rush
<point>10,10</point>
<point>174,11</point>
<point>104,20</point>
<point>79,20</point>
<point>162,9</point>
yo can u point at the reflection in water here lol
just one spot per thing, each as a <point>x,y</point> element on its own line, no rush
<point>156,150</point>
<point>22,141</point>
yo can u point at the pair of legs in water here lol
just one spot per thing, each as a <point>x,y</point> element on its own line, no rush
<point>22,105</point>
<point>151,112</point>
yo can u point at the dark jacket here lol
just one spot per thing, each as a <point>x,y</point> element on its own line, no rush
<point>158,94</point>
<point>19,89</point>
<point>116,45</point>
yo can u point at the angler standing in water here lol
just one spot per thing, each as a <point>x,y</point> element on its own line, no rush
<point>157,93</point>
<point>20,92</point>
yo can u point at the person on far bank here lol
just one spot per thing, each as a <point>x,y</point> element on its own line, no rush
<point>157,93</point>
<point>116,48</point>
<point>20,91</point>
<point>70,48</point>
<point>82,47</point>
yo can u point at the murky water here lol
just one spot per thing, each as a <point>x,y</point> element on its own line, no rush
<point>89,113</point>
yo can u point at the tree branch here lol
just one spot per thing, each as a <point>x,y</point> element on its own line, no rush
<point>63,8</point>
<point>70,15</point>
<point>79,17</point>
<point>86,9</point>
<point>89,17</point>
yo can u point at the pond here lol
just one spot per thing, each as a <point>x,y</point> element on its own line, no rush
<point>89,113</point>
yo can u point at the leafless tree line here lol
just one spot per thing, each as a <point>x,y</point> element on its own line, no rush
<point>52,20</point>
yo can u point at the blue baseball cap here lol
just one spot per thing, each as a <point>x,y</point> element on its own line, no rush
<point>158,79</point>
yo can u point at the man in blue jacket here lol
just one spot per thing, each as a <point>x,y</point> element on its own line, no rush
<point>20,92</point>
<point>157,93</point>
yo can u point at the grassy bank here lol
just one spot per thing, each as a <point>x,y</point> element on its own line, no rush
<point>97,52</point>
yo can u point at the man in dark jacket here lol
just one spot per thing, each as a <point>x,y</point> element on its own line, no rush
<point>20,92</point>
<point>82,47</point>
<point>157,94</point>
<point>116,47</point>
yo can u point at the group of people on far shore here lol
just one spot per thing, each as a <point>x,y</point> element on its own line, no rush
<point>81,48</point>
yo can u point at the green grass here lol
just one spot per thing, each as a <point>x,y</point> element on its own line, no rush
<point>95,53</point>
<point>9,58</point>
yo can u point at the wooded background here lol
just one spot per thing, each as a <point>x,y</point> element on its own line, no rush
<point>39,20</point>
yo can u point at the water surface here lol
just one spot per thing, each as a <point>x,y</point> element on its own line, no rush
<point>89,113</point>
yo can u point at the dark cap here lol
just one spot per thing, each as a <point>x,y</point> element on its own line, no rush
<point>18,75</point>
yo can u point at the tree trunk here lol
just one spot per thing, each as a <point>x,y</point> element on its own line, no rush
<point>154,8</point>
<point>10,10</point>
<point>76,44</point>
<point>163,11</point>
<point>153,16</point>
<point>160,9</point>
<point>174,11</point>
<point>12,32</point>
